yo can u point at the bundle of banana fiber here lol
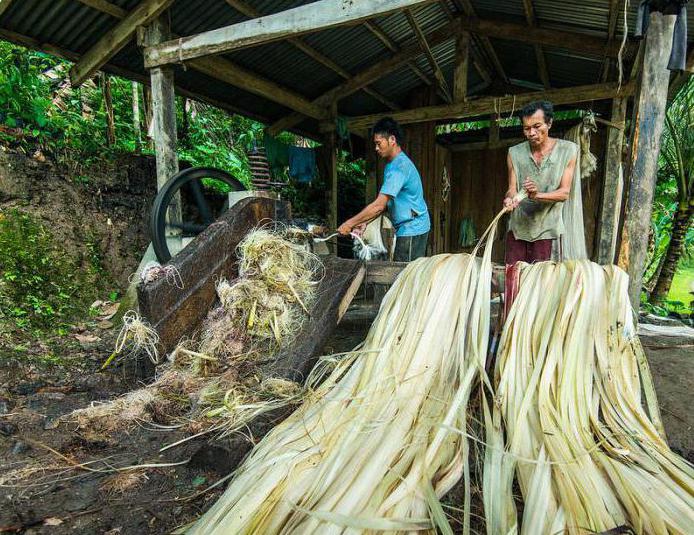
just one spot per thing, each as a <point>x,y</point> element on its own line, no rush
<point>568,421</point>
<point>371,450</point>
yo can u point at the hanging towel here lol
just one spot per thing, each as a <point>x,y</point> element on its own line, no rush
<point>302,164</point>
<point>277,155</point>
<point>678,52</point>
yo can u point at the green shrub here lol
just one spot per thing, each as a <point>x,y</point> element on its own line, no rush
<point>39,285</point>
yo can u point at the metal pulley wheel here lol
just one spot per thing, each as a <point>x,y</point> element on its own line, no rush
<point>200,207</point>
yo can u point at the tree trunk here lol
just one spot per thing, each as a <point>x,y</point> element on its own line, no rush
<point>137,127</point>
<point>680,225</point>
<point>108,105</point>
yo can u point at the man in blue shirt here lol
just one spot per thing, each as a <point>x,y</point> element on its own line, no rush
<point>401,194</point>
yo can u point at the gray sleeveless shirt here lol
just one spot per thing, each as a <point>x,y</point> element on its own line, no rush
<point>535,220</point>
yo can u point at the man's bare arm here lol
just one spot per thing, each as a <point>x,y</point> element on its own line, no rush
<point>369,213</point>
<point>512,185</point>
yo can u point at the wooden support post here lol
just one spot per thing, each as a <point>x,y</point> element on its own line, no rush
<point>645,146</point>
<point>164,118</point>
<point>494,133</point>
<point>462,58</point>
<point>613,186</point>
<point>332,169</point>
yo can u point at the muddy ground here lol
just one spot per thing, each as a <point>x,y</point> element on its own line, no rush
<point>47,487</point>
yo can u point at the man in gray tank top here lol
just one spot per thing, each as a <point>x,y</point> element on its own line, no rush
<point>543,166</point>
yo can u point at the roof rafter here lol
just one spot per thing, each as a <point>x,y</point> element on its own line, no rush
<point>370,75</point>
<point>4,5</point>
<point>312,17</point>
<point>233,74</point>
<point>307,49</point>
<point>424,45</point>
<point>106,7</point>
<point>486,43</point>
<point>393,47</point>
<point>612,17</point>
<point>115,39</point>
<point>539,53</point>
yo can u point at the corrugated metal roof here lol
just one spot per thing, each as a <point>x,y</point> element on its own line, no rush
<point>75,27</point>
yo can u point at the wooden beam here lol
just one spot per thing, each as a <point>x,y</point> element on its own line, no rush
<point>350,293</point>
<point>539,53</point>
<point>486,43</point>
<point>376,30</point>
<point>106,7</point>
<point>424,45</point>
<point>231,73</point>
<point>462,57</point>
<point>383,272</point>
<point>307,49</point>
<point>367,76</point>
<point>474,57</point>
<point>307,18</point>
<point>115,39</point>
<point>487,105</point>
<point>613,186</point>
<point>612,16</point>
<point>512,31</point>
<point>648,124</point>
<point>4,5</point>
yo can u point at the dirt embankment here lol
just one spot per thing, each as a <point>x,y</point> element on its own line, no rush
<point>99,210</point>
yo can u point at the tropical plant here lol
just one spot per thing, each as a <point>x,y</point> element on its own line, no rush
<point>677,165</point>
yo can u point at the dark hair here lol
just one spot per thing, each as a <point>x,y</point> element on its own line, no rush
<point>387,127</point>
<point>544,105</point>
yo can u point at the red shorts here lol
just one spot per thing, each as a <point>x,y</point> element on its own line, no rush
<point>527,251</point>
<point>521,251</point>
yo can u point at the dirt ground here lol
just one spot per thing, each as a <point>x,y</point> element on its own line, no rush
<point>55,480</point>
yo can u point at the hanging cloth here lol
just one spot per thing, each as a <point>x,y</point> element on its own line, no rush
<point>468,235</point>
<point>678,52</point>
<point>302,164</point>
<point>573,241</point>
<point>277,155</point>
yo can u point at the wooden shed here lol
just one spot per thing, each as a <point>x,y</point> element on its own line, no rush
<point>301,65</point>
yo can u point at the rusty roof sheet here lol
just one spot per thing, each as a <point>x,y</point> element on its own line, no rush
<point>74,27</point>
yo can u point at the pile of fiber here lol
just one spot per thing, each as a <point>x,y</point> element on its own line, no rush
<point>568,409</point>
<point>215,383</point>
<point>385,436</point>
<point>371,448</point>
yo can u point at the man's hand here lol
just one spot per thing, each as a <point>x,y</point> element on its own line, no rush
<point>359,229</point>
<point>510,204</point>
<point>530,187</point>
<point>345,229</point>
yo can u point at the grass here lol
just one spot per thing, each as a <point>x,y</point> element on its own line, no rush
<point>682,285</point>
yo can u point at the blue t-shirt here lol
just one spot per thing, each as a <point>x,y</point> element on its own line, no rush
<point>408,211</point>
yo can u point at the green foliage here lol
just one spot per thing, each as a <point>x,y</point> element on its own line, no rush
<point>675,184</point>
<point>39,285</point>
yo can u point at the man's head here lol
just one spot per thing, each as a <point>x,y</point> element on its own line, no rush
<point>537,120</point>
<point>387,138</point>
